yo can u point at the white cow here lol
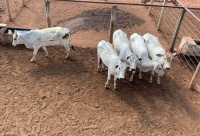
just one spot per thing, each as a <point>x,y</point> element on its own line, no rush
<point>123,49</point>
<point>35,39</point>
<point>139,48</point>
<point>157,52</point>
<point>149,65</point>
<point>116,67</point>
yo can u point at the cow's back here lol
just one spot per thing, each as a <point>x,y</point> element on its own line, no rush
<point>120,40</point>
<point>153,45</point>
<point>137,43</point>
<point>106,52</point>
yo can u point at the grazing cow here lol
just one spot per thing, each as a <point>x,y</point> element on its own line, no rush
<point>123,49</point>
<point>157,52</point>
<point>139,48</point>
<point>35,39</point>
<point>116,67</point>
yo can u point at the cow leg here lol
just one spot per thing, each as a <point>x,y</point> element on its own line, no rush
<point>67,50</point>
<point>151,78</point>
<point>158,80</point>
<point>140,75</point>
<point>36,48</point>
<point>115,85</point>
<point>131,78</point>
<point>108,79</point>
<point>98,63</point>
<point>45,50</point>
<point>102,66</point>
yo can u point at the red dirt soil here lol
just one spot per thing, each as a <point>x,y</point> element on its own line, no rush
<point>59,97</point>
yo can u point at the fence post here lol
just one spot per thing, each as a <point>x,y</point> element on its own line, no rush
<point>8,8</point>
<point>23,3</point>
<point>161,15</point>
<point>195,77</point>
<point>112,22</point>
<point>149,12</point>
<point>48,15</point>
<point>177,29</point>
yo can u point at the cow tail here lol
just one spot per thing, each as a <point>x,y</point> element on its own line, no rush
<point>71,46</point>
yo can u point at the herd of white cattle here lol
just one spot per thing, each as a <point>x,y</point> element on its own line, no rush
<point>144,53</point>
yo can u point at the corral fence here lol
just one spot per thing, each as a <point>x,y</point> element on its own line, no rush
<point>179,25</point>
<point>181,28</point>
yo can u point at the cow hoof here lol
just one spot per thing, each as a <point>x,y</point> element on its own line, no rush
<point>150,81</point>
<point>66,57</point>
<point>46,56</point>
<point>158,83</point>
<point>130,80</point>
<point>32,61</point>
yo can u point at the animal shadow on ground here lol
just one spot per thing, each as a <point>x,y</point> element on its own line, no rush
<point>98,19</point>
<point>146,98</point>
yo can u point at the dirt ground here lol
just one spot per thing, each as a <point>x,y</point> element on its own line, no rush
<point>58,97</point>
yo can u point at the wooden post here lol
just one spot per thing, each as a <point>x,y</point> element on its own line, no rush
<point>23,3</point>
<point>149,12</point>
<point>112,22</point>
<point>48,15</point>
<point>161,14</point>
<point>195,77</point>
<point>8,8</point>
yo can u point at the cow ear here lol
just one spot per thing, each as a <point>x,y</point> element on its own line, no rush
<point>159,55</point>
<point>15,32</point>
<point>155,66</point>
<point>174,54</point>
<point>116,66</point>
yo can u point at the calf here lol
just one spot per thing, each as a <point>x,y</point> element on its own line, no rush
<point>149,65</point>
<point>123,49</point>
<point>139,48</point>
<point>116,67</point>
<point>43,37</point>
<point>157,52</point>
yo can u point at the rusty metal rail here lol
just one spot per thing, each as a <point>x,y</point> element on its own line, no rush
<point>124,3</point>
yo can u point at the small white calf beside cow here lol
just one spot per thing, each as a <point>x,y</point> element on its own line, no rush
<point>34,39</point>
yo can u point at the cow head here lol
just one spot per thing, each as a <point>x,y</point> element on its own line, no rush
<point>159,69</point>
<point>16,38</point>
<point>120,69</point>
<point>132,60</point>
<point>165,59</point>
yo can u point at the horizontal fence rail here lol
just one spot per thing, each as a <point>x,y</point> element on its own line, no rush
<point>124,3</point>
